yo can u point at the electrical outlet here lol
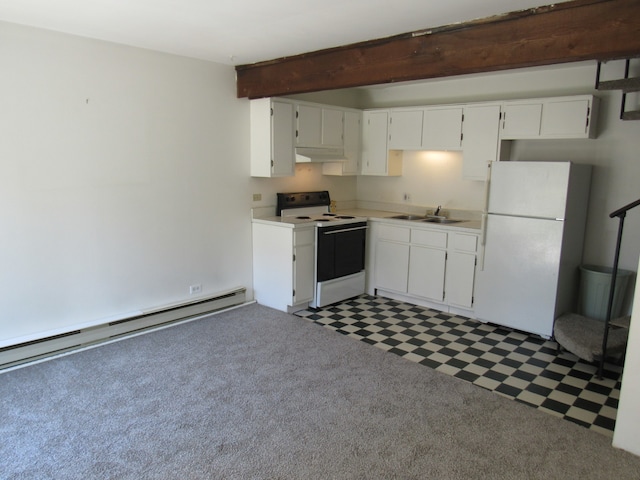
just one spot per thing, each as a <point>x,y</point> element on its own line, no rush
<point>195,289</point>
<point>407,197</point>
<point>257,197</point>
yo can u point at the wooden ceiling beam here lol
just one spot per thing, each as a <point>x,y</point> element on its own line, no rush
<point>566,32</point>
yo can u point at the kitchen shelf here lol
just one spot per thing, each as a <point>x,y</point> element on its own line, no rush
<point>625,84</point>
<point>631,115</point>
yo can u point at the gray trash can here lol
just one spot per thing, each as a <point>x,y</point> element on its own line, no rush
<point>595,285</point>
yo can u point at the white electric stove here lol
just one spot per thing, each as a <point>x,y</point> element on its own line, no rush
<point>339,247</point>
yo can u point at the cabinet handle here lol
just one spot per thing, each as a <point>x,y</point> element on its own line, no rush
<point>588,111</point>
<point>344,230</point>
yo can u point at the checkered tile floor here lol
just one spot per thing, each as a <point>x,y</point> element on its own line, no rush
<point>522,367</point>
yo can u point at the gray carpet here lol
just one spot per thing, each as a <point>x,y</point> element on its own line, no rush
<point>253,393</point>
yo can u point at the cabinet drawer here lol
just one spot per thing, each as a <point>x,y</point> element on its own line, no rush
<point>394,234</point>
<point>303,237</point>
<point>429,238</point>
<point>465,243</point>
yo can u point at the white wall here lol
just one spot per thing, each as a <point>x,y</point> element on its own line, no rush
<point>124,179</point>
<point>308,176</point>
<point>429,179</point>
<point>122,174</point>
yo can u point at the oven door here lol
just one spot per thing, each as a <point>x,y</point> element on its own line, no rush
<point>340,250</point>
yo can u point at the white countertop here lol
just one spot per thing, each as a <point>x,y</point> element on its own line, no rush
<point>374,215</point>
<point>386,216</point>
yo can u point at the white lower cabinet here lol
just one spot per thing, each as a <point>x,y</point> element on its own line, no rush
<point>391,256</point>
<point>431,265</point>
<point>428,256</point>
<point>461,269</point>
<point>303,264</point>
<point>283,266</point>
<point>392,263</point>
<point>426,272</point>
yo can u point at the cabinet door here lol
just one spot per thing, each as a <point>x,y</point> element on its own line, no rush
<point>480,140</point>
<point>303,273</point>
<point>426,273</point>
<point>272,267</point>
<point>309,126</point>
<point>352,131</point>
<point>392,264</point>
<point>461,269</point>
<point>374,143</point>
<point>565,119</point>
<point>332,127</point>
<point>282,133</point>
<point>521,120</point>
<point>442,129</point>
<point>405,129</point>
<point>303,264</point>
<point>352,146</point>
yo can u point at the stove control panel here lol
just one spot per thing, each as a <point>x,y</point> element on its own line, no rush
<point>302,199</point>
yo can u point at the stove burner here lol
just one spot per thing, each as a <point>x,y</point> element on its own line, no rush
<point>303,218</point>
<point>323,220</point>
<point>345,217</point>
<point>329,214</point>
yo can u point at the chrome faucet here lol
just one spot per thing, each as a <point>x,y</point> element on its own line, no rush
<point>435,214</point>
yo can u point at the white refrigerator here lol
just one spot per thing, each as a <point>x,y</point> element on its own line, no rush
<point>533,235</point>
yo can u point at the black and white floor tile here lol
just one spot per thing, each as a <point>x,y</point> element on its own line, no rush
<point>523,367</point>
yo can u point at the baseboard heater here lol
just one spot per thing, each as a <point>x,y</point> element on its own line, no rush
<point>35,350</point>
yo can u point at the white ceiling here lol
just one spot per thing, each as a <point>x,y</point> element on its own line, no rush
<point>246,31</point>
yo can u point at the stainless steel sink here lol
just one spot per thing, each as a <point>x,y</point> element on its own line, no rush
<point>441,220</point>
<point>409,217</point>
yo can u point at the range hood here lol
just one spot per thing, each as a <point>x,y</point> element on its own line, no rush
<point>310,154</point>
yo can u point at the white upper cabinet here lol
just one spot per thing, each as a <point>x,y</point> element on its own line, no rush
<point>480,143</point>
<point>429,128</point>
<point>308,125</point>
<point>318,126</point>
<point>332,127</point>
<point>352,146</point>
<point>352,141</point>
<point>567,118</point>
<point>560,117</point>
<point>272,138</point>
<point>405,129</point>
<point>442,128</point>
<point>373,140</point>
<point>377,159</point>
<point>521,120</point>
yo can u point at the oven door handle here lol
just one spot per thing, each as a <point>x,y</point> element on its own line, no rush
<point>331,232</point>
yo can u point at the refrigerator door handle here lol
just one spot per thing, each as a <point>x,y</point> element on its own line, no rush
<point>487,184</point>
<point>483,228</point>
<point>483,236</point>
